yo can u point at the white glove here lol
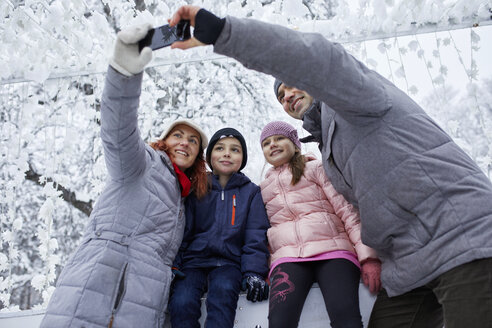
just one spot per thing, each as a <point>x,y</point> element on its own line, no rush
<point>126,58</point>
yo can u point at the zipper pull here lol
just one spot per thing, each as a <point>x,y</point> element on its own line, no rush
<point>233,209</point>
<point>222,195</point>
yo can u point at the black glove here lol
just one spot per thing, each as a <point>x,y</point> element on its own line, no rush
<point>256,286</point>
<point>177,274</point>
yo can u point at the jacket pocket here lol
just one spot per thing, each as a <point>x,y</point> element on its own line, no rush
<point>120,292</point>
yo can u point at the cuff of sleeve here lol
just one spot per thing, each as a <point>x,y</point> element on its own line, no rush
<point>207,27</point>
<point>370,259</point>
<point>118,68</point>
<point>130,86</point>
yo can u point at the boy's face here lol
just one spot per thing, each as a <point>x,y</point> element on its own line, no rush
<point>227,156</point>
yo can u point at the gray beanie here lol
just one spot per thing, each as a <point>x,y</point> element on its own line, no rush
<point>276,85</point>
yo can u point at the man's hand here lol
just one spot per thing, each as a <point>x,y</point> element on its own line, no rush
<point>126,58</point>
<point>207,26</point>
<point>371,274</point>
<point>256,287</point>
<point>189,13</point>
<point>185,12</point>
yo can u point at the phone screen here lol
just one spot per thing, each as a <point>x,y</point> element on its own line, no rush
<point>164,36</point>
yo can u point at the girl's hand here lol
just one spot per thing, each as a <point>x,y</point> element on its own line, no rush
<point>371,274</point>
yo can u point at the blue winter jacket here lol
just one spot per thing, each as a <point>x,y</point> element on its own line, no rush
<point>227,226</point>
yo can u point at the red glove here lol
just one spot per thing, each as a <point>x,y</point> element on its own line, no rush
<point>371,274</point>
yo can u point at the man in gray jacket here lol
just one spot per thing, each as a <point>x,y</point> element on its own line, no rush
<point>425,206</point>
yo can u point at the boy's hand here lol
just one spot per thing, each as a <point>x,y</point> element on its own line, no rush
<point>256,286</point>
<point>126,58</point>
<point>177,273</point>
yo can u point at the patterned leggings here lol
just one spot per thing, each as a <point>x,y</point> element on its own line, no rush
<point>338,280</point>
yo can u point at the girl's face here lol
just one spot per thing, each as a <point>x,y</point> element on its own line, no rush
<point>183,143</point>
<point>226,157</point>
<point>278,149</point>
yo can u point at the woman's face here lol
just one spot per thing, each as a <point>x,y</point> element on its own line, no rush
<point>278,149</point>
<point>183,143</point>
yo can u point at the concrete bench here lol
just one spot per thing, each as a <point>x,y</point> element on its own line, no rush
<point>248,314</point>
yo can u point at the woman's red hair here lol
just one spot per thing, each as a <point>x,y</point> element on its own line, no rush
<point>197,173</point>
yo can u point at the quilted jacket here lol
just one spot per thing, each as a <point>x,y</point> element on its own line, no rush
<point>122,268</point>
<point>425,205</point>
<point>310,217</point>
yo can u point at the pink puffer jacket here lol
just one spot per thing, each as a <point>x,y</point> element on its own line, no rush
<point>309,218</point>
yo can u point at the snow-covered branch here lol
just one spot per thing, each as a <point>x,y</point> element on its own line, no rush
<point>67,195</point>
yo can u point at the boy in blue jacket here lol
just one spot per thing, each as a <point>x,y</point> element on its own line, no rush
<point>224,246</point>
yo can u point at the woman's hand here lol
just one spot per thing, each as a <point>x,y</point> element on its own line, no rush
<point>126,58</point>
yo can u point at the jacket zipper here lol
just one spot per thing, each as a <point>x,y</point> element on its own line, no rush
<point>119,295</point>
<point>296,222</point>
<point>233,209</point>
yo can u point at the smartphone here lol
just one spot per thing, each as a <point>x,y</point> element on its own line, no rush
<point>165,35</point>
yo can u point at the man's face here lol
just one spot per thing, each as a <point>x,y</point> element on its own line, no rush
<point>294,101</point>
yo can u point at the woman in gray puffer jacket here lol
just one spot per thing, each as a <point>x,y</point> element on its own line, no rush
<point>121,273</point>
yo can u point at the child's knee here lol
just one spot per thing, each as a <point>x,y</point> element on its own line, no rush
<point>228,290</point>
<point>183,301</point>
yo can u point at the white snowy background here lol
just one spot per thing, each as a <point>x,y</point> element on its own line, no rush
<point>54,55</point>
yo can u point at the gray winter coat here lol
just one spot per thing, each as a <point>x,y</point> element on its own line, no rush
<point>425,206</point>
<point>122,267</point>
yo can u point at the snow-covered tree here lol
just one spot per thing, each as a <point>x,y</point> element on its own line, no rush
<point>54,56</point>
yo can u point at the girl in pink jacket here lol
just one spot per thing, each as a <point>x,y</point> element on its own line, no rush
<point>314,236</point>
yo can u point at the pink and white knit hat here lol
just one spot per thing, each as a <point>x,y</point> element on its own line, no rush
<point>280,128</point>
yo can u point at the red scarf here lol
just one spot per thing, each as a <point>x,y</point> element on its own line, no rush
<point>184,181</point>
